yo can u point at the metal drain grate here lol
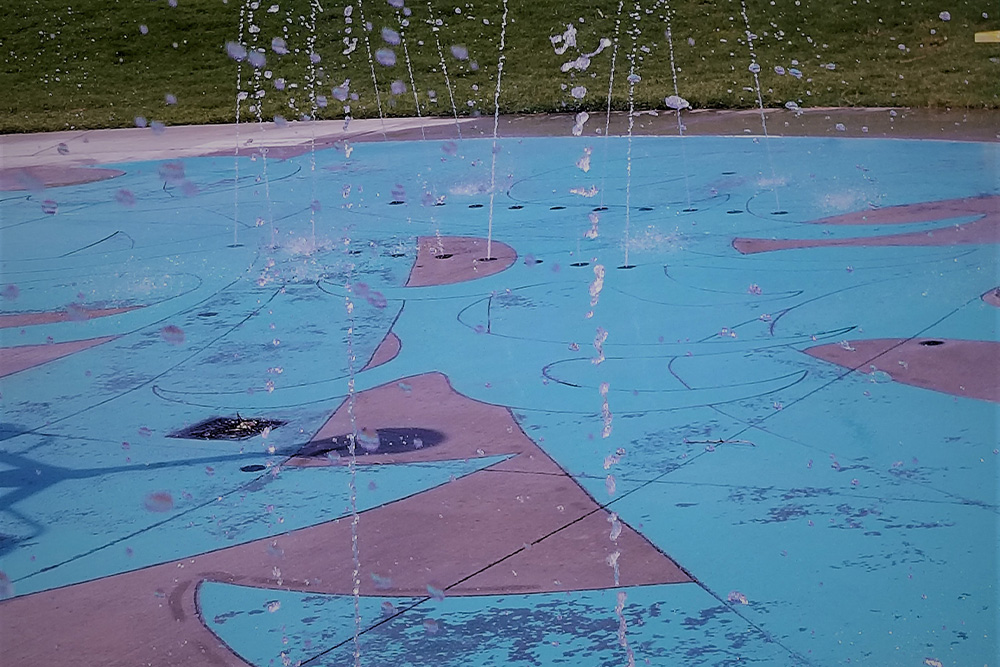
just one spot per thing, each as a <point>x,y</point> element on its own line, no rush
<point>227,428</point>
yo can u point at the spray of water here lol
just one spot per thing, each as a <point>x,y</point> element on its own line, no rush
<point>496,128</point>
<point>611,85</point>
<point>314,7</point>
<point>677,110</point>
<point>352,464</point>
<point>236,153</point>
<point>755,70</point>
<point>614,55</point>
<point>444,67</point>
<point>371,65</point>
<point>409,69</point>
<point>257,107</point>
<point>633,78</point>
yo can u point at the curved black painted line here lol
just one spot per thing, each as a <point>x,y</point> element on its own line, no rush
<point>225,185</point>
<point>547,371</point>
<point>800,376</point>
<point>752,297</point>
<point>462,318</point>
<point>173,395</point>
<point>106,238</point>
<point>790,263</point>
<point>153,379</point>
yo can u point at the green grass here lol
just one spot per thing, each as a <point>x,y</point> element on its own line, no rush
<point>73,64</point>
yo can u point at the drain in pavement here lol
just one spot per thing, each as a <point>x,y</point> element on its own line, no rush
<point>227,428</point>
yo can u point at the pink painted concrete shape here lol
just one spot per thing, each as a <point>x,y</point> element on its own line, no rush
<point>993,297</point>
<point>443,260</point>
<point>985,229</point>
<point>495,531</point>
<point>385,352</point>
<point>17,359</point>
<point>967,368</point>
<point>51,176</point>
<point>13,320</point>
<point>988,205</point>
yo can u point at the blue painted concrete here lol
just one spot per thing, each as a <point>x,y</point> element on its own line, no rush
<point>857,515</point>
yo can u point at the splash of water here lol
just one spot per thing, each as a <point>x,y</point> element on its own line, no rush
<point>496,128</point>
<point>444,68</point>
<point>371,65</point>
<point>755,69</point>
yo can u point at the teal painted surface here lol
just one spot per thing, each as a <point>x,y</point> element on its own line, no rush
<point>858,515</point>
<point>674,624</point>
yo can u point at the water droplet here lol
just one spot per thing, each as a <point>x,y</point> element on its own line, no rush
<point>390,36</point>
<point>125,197</point>
<point>779,70</point>
<point>10,292</point>
<point>159,501</point>
<point>49,207</point>
<point>460,52</point>
<point>143,29</point>
<point>369,440</point>
<point>76,312</point>
<point>257,59</point>
<point>6,586</point>
<point>170,99</point>
<point>754,67</point>
<point>172,334</point>
<point>435,592</point>
<point>171,172</point>
<point>945,16</point>
<point>278,46</point>
<point>385,57</point>
<point>63,149</point>
<point>579,92</point>
<point>735,597</point>
<point>236,51</point>
<point>140,121</point>
<point>397,87</point>
<point>431,626</point>
<point>676,102</point>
